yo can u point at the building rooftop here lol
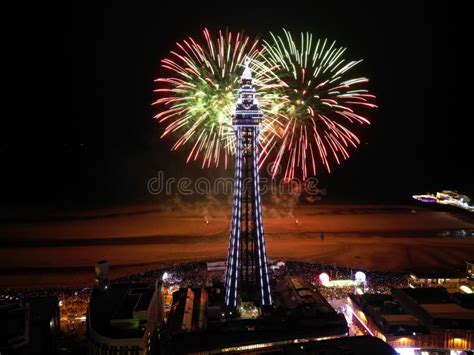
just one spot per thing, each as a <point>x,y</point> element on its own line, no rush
<point>448,310</point>
<point>435,306</point>
<point>295,293</point>
<point>113,312</point>
<point>431,295</point>
<point>389,316</point>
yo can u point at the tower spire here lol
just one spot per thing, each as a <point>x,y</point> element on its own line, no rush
<point>247,74</point>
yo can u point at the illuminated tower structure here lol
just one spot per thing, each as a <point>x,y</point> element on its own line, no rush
<point>247,270</point>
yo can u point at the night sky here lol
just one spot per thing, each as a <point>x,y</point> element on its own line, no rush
<point>78,126</point>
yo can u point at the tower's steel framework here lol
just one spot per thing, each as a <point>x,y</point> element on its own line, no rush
<point>247,270</point>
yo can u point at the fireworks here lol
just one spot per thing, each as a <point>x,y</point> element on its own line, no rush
<point>198,97</point>
<point>310,102</point>
<point>323,102</point>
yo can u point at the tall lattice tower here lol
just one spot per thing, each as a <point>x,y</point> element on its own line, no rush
<point>247,271</point>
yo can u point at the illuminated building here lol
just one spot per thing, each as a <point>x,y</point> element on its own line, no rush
<point>166,300</point>
<point>453,198</point>
<point>247,269</point>
<point>447,197</point>
<point>452,281</point>
<point>423,318</point>
<point>426,198</point>
<point>189,310</point>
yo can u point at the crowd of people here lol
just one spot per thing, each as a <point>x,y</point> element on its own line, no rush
<point>190,274</point>
<point>376,281</point>
<point>196,274</point>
